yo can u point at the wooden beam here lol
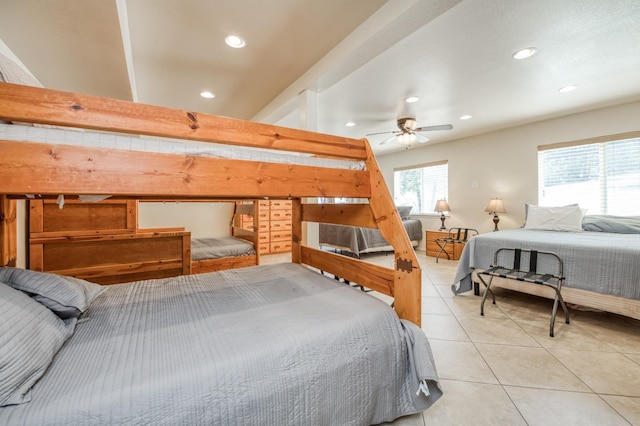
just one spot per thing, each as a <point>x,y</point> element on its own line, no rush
<point>357,271</point>
<point>60,169</point>
<point>341,214</point>
<point>46,106</point>
<point>407,275</point>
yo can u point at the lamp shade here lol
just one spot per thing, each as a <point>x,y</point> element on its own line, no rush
<point>495,206</point>
<point>441,206</point>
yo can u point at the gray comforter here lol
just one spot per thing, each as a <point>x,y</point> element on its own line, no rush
<point>360,240</point>
<point>216,248</point>
<point>606,263</point>
<point>265,345</point>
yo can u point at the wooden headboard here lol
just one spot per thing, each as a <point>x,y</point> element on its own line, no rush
<point>50,169</point>
<point>101,242</point>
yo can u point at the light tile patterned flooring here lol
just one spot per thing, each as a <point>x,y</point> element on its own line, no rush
<point>504,369</point>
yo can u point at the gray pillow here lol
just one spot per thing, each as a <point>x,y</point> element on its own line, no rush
<point>404,211</point>
<point>66,296</point>
<point>30,336</point>
<point>613,224</point>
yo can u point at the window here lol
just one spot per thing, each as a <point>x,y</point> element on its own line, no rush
<point>603,177</point>
<point>421,186</point>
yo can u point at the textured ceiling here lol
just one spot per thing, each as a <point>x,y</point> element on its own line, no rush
<point>360,58</point>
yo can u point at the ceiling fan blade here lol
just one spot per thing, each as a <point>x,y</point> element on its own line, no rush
<point>381,133</point>
<point>388,139</point>
<point>430,128</point>
<point>422,138</point>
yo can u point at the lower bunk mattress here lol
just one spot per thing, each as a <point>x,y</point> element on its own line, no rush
<point>265,345</point>
<point>217,248</point>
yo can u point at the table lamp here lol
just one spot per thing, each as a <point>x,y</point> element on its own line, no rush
<point>494,207</point>
<point>441,207</point>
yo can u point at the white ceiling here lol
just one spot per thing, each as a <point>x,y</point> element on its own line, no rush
<point>361,57</point>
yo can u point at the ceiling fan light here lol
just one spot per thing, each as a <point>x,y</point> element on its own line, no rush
<point>407,138</point>
<point>411,99</point>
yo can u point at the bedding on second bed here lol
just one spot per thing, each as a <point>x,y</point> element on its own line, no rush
<point>603,262</point>
<point>216,248</point>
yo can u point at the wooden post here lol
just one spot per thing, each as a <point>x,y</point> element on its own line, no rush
<point>8,232</point>
<point>296,230</point>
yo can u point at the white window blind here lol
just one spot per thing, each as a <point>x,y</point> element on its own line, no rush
<point>421,186</point>
<point>602,177</point>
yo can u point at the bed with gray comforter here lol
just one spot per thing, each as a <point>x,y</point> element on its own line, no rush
<point>264,345</point>
<point>359,240</point>
<point>602,262</point>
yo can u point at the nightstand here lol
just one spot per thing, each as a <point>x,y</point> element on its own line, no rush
<point>454,250</point>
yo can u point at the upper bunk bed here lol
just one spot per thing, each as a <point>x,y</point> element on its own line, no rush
<point>142,166</point>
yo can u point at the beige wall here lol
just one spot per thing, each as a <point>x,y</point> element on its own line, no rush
<point>203,219</point>
<point>504,164</point>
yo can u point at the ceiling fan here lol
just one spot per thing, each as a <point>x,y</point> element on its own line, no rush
<point>409,133</point>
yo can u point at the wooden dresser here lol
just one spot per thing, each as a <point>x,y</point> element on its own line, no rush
<point>454,250</point>
<point>274,226</point>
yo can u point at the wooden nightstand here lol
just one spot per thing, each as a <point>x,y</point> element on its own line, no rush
<point>454,250</point>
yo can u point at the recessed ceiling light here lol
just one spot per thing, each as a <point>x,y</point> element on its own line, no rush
<point>465,117</point>
<point>235,42</point>
<point>411,99</point>
<point>569,88</point>
<point>525,53</point>
<point>207,94</point>
<point>349,124</point>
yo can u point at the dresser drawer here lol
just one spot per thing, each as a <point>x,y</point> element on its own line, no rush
<point>280,246</point>
<point>281,204</point>
<point>280,225</point>
<point>280,214</point>
<point>281,236</point>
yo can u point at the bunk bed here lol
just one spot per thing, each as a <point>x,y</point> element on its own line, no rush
<point>269,344</point>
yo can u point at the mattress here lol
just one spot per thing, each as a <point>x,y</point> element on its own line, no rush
<point>602,262</point>
<point>80,137</point>
<point>359,240</point>
<point>216,248</point>
<point>266,345</point>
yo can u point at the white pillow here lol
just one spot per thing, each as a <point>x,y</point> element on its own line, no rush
<point>564,218</point>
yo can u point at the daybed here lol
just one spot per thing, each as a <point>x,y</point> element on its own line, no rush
<point>359,240</point>
<point>601,268</point>
<point>266,344</point>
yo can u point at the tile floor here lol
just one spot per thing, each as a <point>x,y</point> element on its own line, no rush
<point>504,369</point>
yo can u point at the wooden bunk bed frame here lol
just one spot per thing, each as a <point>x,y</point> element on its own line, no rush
<point>101,242</point>
<point>51,169</point>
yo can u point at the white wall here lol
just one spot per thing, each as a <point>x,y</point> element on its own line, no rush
<point>203,219</point>
<point>504,164</point>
